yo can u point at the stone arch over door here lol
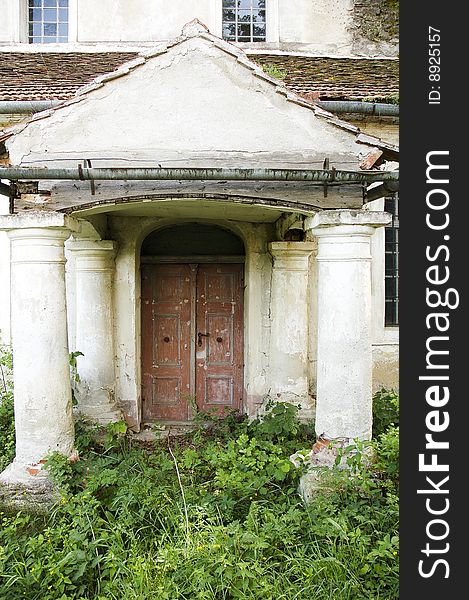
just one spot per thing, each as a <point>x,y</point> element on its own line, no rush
<point>192,321</point>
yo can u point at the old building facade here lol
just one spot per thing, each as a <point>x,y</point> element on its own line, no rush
<point>200,231</point>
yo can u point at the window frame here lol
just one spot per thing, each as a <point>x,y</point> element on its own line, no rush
<point>391,272</point>
<point>271,24</point>
<point>383,335</point>
<point>41,22</point>
<point>21,34</point>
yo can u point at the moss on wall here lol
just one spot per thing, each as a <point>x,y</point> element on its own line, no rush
<point>376,20</point>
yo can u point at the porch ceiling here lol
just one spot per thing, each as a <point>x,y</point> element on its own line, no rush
<point>188,208</point>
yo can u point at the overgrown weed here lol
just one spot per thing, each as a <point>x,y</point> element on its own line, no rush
<point>228,523</point>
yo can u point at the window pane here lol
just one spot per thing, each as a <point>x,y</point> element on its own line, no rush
<point>62,39</point>
<point>63,29</point>
<point>36,3</point>
<point>50,29</point>
<point>244,31</point>
<point>63,3</point>
<point>229,3</point>
<point>258,3</point>
<point>37,29</point>
<point>244,3</point>
<point>229,31</point>
<point>258,16</point>
<point>229,15</point>
<point>50,3</point>
<point>244,16</point>
<point>35,14</point>
<point>63,15</point>
<point>48,40</point>
<point>50,15</point>
<point>259,31</point>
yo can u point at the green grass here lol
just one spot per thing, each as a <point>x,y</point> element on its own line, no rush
<point>211,515</point>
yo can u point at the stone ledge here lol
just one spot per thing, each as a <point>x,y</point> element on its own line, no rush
<point>331,218</point>
<point>39,219</point>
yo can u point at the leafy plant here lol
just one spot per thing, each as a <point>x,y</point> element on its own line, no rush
<point>385,411</point>
<point>74,376</point>
<point>213,514</point>
<point>7,420</point>
<point>274,71</point>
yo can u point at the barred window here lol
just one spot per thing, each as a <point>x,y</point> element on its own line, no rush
<point>48,21</point>
<point>244,20</point>
<point>391,262</point>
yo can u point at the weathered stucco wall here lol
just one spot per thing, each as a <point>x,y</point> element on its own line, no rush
<point>225,99</point>
<point>4,288</point>
<point>129,234</point>
<point>4,278</point>
<point>330,27</point>
<point>266,332</point>
<point>322,26</point>
<point>6,21</point>
<point>376,27</point>
<point>138,20</point>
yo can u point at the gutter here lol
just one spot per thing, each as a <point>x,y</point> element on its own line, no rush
<point>379,109</point>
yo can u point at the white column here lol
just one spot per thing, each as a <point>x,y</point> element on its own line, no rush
<point>289,324</point>
<point>43,404</point>
<point>94,270</point>
<point>344,335</point>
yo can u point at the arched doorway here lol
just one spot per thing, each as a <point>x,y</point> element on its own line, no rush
<point>192,322</point>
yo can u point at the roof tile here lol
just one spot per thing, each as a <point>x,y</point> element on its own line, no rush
<point>58,75</point>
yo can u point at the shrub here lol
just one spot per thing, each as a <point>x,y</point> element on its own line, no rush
<point>7,422</point>
<point>385,411</point>
<point>211,515</point>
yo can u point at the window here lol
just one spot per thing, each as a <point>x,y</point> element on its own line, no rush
<point>244,20</point>
<point>391,262</point>
<point>48,21</point>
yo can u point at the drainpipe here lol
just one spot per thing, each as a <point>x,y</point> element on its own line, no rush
<point>199,174</point>
<point>25,107</point>
<point>379,109</point>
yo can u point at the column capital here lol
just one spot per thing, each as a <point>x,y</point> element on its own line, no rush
<point>291,256</point>
<point>39,220</point>
<point>93,256</point>
<point>333,222</point>
<point>92,247</point>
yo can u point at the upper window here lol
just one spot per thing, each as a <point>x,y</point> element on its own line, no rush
<point>48,21</point>
<point>391,261</point>
<point>244,20</point>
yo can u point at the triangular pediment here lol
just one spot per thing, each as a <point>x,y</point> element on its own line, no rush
<point>198,101</point>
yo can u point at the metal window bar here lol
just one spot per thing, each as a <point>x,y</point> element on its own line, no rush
<point>47,21</point>
<point>391,262</point>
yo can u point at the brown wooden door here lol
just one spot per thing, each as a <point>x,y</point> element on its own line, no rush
<point>192,339</point>
<point>219,354</point>
<point>166,347</point>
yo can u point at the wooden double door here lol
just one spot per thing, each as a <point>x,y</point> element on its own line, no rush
<point>192,339</point>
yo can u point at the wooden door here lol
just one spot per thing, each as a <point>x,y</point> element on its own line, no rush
<point>167,292</point>
<point>192,339</point>
<point>219,353</point>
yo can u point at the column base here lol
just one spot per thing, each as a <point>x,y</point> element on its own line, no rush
<point>98,414</point>
<point>27,487</point>
<point>319,462</point>
<point>97,405</point>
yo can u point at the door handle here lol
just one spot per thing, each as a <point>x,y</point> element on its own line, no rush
<point>200,336</point>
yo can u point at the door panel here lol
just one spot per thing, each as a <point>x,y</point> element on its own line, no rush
<point>192,339</point>
<point>219,355</point>
<point>166,347</point>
